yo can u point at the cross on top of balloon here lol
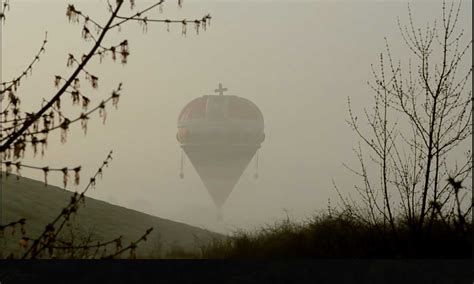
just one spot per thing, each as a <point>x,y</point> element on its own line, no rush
<point>220,90</point>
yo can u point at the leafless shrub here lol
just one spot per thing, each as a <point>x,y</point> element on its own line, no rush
<point>416,182</point>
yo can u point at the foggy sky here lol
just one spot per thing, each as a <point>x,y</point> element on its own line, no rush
<point>298,62</point>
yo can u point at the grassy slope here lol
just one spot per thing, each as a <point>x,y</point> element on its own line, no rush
<point>39,204</point>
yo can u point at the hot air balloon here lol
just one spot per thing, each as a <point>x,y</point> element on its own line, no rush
<point>220,134</point>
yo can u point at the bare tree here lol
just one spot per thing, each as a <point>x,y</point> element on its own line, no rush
<point>20,130</point>
<point>421,117</point>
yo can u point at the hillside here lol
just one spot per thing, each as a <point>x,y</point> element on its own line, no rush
<point>39,204</point>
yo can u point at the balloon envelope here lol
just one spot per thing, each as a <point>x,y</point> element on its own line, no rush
<point>220,167</point>
<point>220,135</point>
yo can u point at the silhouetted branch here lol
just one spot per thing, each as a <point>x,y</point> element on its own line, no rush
<point>12,86</point>
<point>12,225</point>
<point>132,246</point>
<point>4,8</point>
<point>49,234</point>
<point>435,106</point>
<point>19,129</point>
<point>71,79</point>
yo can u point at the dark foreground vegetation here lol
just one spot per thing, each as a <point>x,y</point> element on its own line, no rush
<point>342,236</point>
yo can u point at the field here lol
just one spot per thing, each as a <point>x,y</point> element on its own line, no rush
<point>101,221</point>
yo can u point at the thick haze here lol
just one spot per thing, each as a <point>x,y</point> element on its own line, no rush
<point>297,61</point>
